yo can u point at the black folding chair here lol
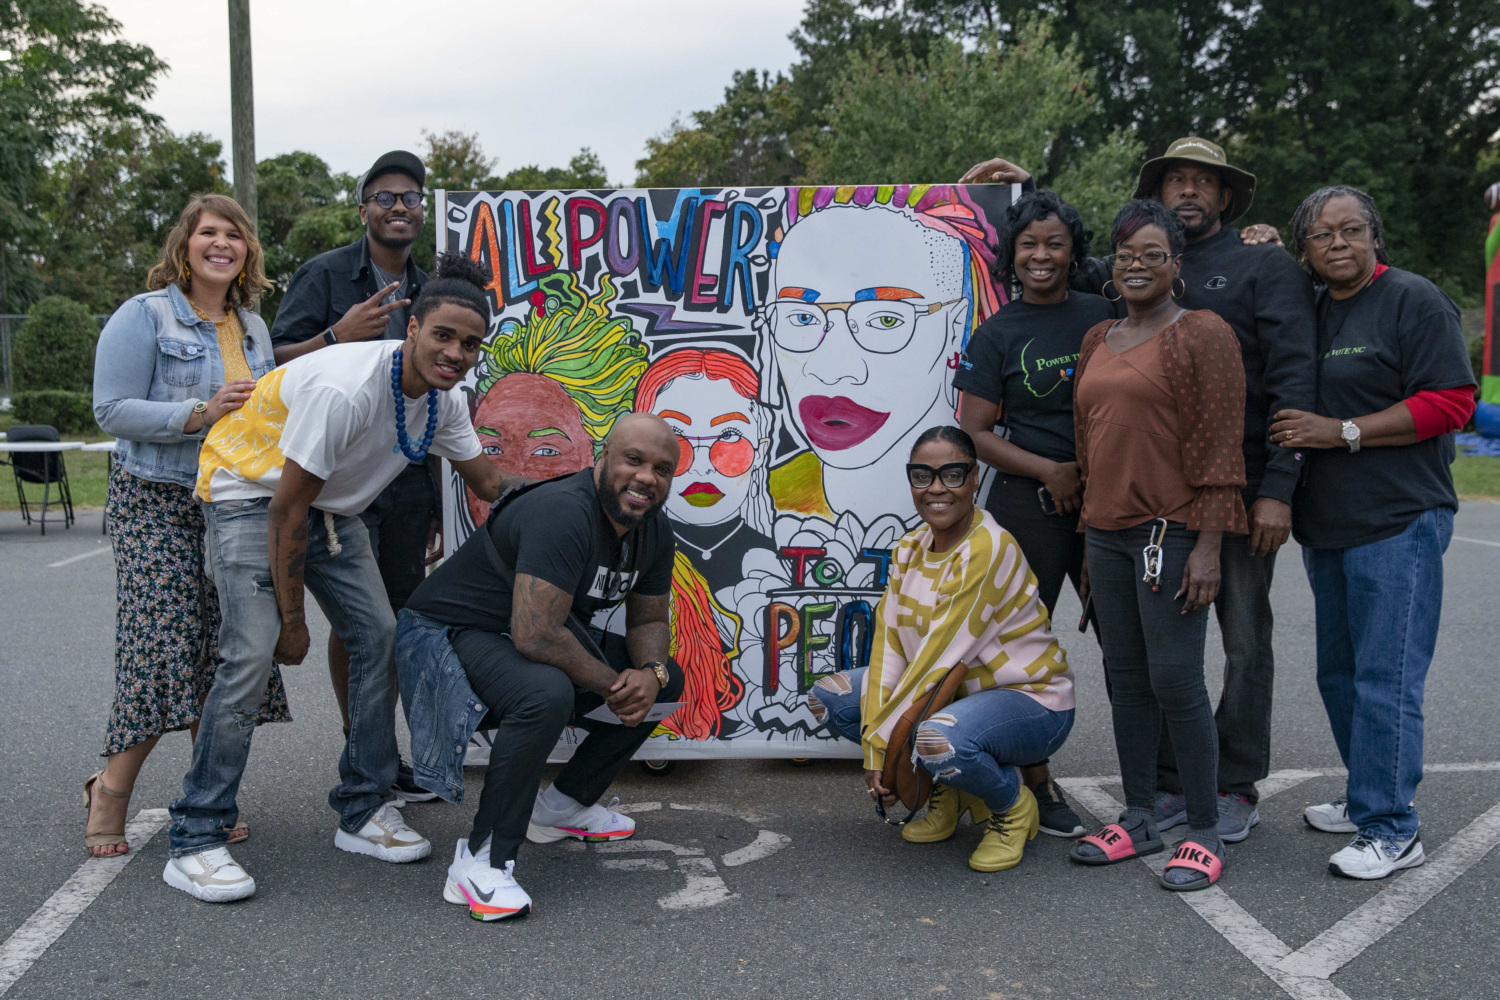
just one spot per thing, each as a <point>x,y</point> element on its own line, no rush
<point>41,468</point>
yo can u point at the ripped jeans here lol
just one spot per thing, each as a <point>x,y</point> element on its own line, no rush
<point>973,745</point>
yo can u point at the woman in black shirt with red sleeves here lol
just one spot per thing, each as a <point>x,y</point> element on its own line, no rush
<point>1375,513</point>
<point>1016,375</point>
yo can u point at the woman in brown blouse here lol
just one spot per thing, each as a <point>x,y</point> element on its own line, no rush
<point>1159,409</point>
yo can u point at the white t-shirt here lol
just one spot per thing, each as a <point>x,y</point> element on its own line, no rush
<point>334,414</point>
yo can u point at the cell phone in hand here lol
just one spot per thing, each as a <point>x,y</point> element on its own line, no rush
<point>1049,505</point>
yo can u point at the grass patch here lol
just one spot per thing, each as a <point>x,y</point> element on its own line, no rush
<point>1477,478</point>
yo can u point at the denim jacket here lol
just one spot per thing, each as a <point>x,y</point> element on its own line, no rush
<point>156,359</point>
<point>442,711</point>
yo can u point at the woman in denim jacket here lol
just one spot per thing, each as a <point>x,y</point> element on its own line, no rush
<point>169,363</point>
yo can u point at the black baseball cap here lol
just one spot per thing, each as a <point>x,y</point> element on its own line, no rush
<point>397,161</point>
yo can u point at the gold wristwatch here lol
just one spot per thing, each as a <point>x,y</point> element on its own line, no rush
<point>659,669</point>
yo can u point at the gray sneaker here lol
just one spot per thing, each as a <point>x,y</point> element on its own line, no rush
<point>1237,814</point>
<point>1169,810</point>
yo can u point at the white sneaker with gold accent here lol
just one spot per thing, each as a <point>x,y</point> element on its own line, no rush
<point>212,876</point>
<point>386,836</point>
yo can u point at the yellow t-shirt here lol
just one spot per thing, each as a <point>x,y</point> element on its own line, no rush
<point>231,344</point>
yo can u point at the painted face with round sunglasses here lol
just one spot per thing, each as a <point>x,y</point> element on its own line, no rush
<point>719,449</point>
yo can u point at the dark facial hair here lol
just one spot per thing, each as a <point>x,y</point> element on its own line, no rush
<point>392,242</point>
<point>609,497</point>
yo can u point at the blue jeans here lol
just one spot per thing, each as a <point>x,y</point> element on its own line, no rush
<point>1378,607</point>
<point>988,734</point>
<point>347,587</point>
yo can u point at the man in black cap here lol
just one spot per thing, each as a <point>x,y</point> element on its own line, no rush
<point>1255,286</point>
<point>363,292</point>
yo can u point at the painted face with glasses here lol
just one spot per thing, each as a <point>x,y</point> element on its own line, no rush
<point>866,310</point>
<point>719,448</point>
<point>943,483</point>
<point>393,210</point>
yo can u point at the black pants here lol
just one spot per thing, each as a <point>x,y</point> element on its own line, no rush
<point>1051,543</point>
<point>1243,717</point>
<point>1155,657</point>
<point>398,520</point>
<point>529,705</point>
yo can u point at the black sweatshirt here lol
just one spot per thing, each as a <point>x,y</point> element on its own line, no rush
<point>1268,300</point>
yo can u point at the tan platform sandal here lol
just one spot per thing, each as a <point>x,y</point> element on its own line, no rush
<point>239,833</point>
<point>93,840</point>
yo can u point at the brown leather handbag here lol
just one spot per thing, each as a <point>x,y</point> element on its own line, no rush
<point>901,774</point>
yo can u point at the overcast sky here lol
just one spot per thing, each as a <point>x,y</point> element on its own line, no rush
<point>350,79</point>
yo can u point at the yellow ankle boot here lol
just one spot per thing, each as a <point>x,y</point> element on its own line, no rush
<point>943,811</point>
<point>1006,835</point>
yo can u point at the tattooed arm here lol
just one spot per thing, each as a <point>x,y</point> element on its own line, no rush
<point>537,616</point>
<point>288,512</point>
<point>648,631</point>
<point>487,482</point>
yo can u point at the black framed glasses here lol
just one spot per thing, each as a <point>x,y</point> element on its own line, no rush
<point>1151,258</point>
<point>1351,234</point>
<point>387,199</point>
<point>951,475</point>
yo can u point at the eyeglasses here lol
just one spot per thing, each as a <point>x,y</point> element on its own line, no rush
<point>1351,234</point>
<point>951,475</point>
<point>387,199</point>
<point>1151,258</point>
<point>880,326</point>
<point>729,451</point>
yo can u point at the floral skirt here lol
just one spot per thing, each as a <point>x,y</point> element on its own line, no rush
<point>167,617</point>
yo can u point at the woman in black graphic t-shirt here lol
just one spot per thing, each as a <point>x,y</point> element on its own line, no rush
<point>1375,513</point>
<point>1016,376</point>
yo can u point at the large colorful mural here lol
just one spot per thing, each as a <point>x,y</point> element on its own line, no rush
<point>797,340</point>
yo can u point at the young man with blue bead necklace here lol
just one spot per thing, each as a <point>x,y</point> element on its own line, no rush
<point>283,482</point>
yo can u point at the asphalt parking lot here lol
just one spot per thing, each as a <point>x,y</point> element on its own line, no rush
<point>746,878</point>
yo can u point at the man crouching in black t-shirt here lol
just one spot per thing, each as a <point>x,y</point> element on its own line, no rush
<point>499,635</point>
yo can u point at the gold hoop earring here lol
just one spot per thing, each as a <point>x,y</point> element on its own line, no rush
<point>1176,294</point>
<point>1111,284</point>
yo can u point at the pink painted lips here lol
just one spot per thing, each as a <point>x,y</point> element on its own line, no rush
<point>837,422</point>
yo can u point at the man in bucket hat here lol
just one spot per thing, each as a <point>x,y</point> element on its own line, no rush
<point>1258,289</point>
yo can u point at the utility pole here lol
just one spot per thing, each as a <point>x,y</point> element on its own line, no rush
<point>242,106</point>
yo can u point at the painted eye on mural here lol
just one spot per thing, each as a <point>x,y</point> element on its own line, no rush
<point>492,449</point>
<point>547,451</point>
<point>802,318</point>
<point>884,321</point>
<point>730,435</point>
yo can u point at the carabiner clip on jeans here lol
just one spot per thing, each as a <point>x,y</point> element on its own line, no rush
<point>1152,554</point>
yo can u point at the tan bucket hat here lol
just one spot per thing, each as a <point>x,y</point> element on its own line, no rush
<point>1241,183</point>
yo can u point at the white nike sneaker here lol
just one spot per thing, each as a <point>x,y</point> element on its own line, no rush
<point>1376,857</point>
<point>1330,817</point>
<point>594,824</point>
<point>212,876</point>
<point>386,836</point>
<point>490,893</point>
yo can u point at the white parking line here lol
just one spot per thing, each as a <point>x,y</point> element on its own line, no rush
<point>1476,541</point>
<point>1304,972</point>
<point>32,939</point>
<point>79,558</point>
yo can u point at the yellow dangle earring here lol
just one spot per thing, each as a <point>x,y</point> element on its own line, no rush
<point>187,272</point>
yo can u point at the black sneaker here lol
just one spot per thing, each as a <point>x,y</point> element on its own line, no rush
<point>406,787</point>
<point>1056,818</point>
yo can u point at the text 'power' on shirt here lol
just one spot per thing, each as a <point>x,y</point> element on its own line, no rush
<point>334,414</point>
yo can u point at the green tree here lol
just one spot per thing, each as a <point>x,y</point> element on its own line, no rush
<point>455,161</point>
<point>68,74</point>
<point>746,140</point>
<point>105,209</point>
<point>54,348</point>
<point>584,170</point>
<point>296,193</point>
<point>904,118</point>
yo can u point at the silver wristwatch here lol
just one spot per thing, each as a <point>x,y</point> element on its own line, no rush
<point>1350,434</point>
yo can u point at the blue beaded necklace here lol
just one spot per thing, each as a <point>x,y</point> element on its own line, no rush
<point>414,454</point>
